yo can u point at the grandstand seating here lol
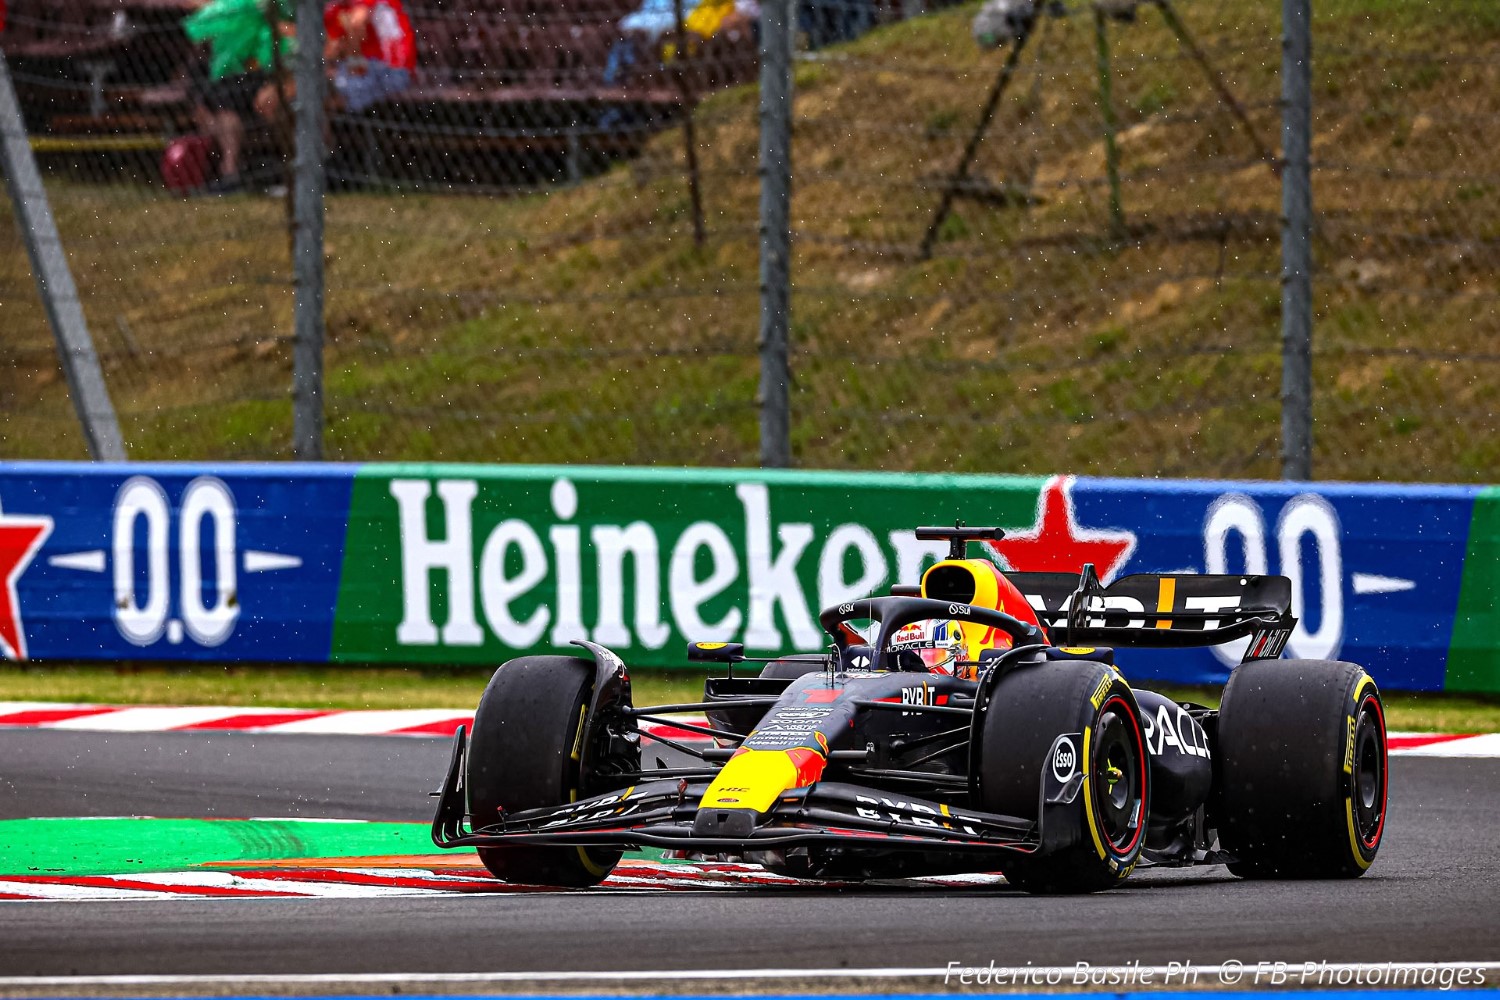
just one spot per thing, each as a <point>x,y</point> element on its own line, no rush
<point>508,91</point>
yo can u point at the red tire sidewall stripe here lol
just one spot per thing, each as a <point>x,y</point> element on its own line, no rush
<point>1140,745</point>
<point>1385,772</point>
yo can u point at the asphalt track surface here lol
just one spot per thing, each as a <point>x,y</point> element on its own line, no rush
<point>1431,896</point>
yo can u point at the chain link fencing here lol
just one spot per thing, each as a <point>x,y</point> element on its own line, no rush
<point>1085,278</point>
<point>544,247</point>
<point>188,301</point>
<point>1407,193</point>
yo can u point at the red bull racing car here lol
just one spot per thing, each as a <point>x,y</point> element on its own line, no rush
<point>973,723</point>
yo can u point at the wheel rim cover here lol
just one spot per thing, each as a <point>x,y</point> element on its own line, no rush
<point>1117,767</point>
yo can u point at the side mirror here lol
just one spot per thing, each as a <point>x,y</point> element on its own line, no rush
<point>715,652</point>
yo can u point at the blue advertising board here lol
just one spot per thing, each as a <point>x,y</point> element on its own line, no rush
<point>266,563</point>
<point>171,561</point>
<point>1375,570</point>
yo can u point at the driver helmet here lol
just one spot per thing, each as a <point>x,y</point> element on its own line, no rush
<point>935,645</point>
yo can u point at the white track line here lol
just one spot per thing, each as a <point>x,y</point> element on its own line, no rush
<point>1208,975</point>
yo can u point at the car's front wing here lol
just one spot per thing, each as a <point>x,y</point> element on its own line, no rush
<point>665,813</point>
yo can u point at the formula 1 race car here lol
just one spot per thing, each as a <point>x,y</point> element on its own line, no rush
<point>944,732</point>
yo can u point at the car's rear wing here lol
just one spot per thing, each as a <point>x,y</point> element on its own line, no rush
<point>1168,610</point>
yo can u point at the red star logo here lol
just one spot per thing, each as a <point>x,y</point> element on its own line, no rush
<point>1056,544</point>
<point>20,538</point>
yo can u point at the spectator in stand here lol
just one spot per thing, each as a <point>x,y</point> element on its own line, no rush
<point>647,34</point>
<point>828,22</point>
<point>220,110</point>
<point>731,19</point>
<point>239,43</point>
<point>641,34</point>
<point>371,52</point>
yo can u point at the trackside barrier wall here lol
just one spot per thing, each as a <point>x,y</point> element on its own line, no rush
<point>474,564</point>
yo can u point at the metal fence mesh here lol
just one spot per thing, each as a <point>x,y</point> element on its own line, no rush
<point>1407,355</point>
<point>187,300</point>
<point>544,248</point>
<point>1061,320</point>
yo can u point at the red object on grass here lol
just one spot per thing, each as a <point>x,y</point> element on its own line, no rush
<point>184,164</point>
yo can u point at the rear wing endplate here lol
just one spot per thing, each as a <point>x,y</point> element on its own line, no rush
<point>1164,610</point>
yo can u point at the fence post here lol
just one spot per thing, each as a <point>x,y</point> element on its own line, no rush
<point>775,230</point>
<point>1117,227</point>
<point>689,134</point>
<point>54,281</point>
<point>307,243</point>
<point>1296,239</point>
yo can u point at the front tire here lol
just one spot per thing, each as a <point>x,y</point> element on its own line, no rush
<point>1030,708</point>
<point>525,753</point>
<point>1304,786</point>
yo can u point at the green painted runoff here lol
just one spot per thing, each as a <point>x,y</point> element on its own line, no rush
<point>124,845</point>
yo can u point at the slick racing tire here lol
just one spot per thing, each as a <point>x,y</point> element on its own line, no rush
<point>524,754</point>
<point>1302,758</point>
<point>1029,709</point>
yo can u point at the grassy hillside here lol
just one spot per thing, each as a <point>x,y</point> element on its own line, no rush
<point>585,326</point>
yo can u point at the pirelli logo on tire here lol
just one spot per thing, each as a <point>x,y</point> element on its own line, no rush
<point>1349,744</point>
<point>1103,689</point>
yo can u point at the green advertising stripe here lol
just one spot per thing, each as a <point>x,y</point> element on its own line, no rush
<point>474,564</point>
<point>122,845</point>
<point>1473,653</point>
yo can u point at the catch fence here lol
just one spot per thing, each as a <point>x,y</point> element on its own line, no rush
<point>1062,254</point>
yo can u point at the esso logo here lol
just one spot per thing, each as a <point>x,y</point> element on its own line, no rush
<point>1064,759</point>
<point>958,609</point>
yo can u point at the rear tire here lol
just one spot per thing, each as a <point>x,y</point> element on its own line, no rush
<point>1304,777</point>
<point>1032,707</point>
<point>524,754</point>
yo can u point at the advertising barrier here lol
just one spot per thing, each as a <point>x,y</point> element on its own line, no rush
<point>438,564</point>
